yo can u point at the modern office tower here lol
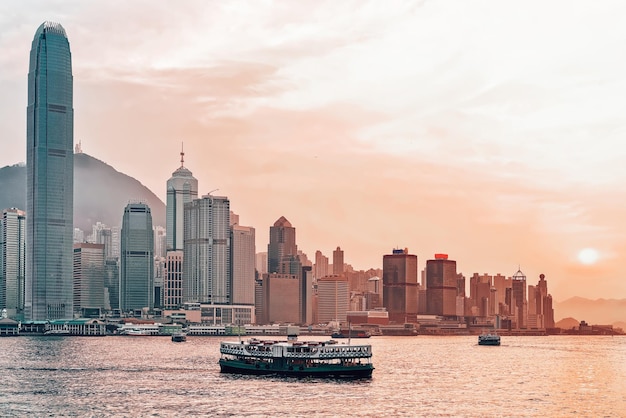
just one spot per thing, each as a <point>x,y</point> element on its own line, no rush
<point>182,188</point>
<point>533,320</point>
<point>544,303</point>
<point>137,258</point>
<point>282,244</point>
<point>116,242</point>
<point>500,284</point>
<point>173,283</point>
<point>12,262</point>
<point>320,269</point>
<point>518,307</point>
<point>88,276</point>
<point>480,294</point>
<point>50,176</point>
<point>400,286</point>
<point>206,262</point>
<point>338,261</point>
<point>281,298</point>
<point>242,262</point>
<point>111,283</point>
<point>333,299</point>
<point>160,244</point>
<point>441,286</point>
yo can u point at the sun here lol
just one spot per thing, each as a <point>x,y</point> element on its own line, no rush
<point>588,256</point>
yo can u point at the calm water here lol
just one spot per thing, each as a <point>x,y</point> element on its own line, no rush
<point>414,376</point>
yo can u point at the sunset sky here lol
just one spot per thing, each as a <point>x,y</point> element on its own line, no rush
<point>492,131</point>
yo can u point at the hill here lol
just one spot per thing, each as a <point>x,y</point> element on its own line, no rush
<point>100,192</point>
<point>595,312</point>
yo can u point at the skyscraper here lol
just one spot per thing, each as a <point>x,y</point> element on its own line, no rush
<point>400,286</point>
<point>88,276</point>
<point>282,244</point>
<point>182,188</point>
<point>136,258</point>
<point>206,262</point>
<point>50,176</point>
<point>441,286</point>
<point>338,261</point>
<point>242,262</point>
<point>12,261</point>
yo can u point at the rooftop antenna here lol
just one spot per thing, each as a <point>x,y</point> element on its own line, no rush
<point>182,154</point>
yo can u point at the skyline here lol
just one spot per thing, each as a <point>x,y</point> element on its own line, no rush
<point>383,127</point>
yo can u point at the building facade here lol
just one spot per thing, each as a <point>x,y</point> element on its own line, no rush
<point>338,261</point>
<point>182,188</point>
<point>50,176</point>
<point>12,262</point>
<point>400,286</point>
<point>173,283</point>
<point>207,251</point>
<point>441,290</point>
<point>333,299</point>
<point>88,276</point>
<point>242,262</point>
<point>137,258</point>
<point>282,244</point>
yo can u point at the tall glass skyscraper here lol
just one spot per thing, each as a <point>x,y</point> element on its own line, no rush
<point>282,244</point>
<point>12,261</point>
<point>206,263</point>
<point>137,258</point>
<point>182,188</point>
<point>50,176</point>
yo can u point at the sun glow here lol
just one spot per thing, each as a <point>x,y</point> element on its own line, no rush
<point>588,256</point>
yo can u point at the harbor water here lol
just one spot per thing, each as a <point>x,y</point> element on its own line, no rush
<point>414,376</point>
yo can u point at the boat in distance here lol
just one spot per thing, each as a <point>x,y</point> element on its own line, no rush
<point>296,358</point>
<point>488,339</point>
<point>179,337</point>
<point>351,334</point>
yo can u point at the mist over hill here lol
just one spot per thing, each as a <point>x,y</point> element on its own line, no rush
<point>100,193</point>
<point>594,312</point>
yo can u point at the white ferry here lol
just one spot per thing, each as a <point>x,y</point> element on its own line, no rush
<point>296,358</point>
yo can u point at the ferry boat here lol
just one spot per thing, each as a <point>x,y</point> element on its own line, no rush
<point>488,339</point>
<point>351,333</point>
<point>179,337</point>
<point>296,358</point>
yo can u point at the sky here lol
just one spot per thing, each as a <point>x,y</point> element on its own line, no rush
<point>491,131</point>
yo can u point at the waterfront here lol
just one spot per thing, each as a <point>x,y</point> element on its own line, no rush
<point>414,376</point>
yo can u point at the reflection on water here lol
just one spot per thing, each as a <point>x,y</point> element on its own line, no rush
<point>414,376</point>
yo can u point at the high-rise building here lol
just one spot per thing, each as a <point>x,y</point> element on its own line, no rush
<point>111,283</point>
<point>518,305</point>
<point>173,283</point>
<point>137,258</point>
<point>338,261</point>
<point>441,286</point>
<point>400,286</point>
<point>160,243</point>
<point>206,262</point>
<point>242,262</point>
<point>320,268</point>
<point>88,276</point>
<point>182,188</point>
<point>282,244</point>
<point>12,262</point>
<point>50,176</point>
<point>333,299</point>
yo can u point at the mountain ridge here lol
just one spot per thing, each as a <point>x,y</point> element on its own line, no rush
<point>100,192</point>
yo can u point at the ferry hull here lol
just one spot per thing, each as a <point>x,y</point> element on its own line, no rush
<point>322,370</point>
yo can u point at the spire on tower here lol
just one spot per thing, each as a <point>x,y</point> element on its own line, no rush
<point>182,155</point>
